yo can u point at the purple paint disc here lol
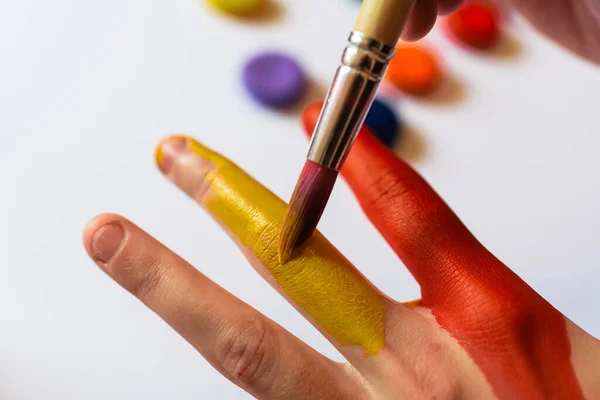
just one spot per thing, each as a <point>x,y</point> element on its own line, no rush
<point>274,79</point>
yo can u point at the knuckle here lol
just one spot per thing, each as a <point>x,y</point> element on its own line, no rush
<point>389,187</point>
<point>403,196</point>
<point>247,354</point>
<point>265,243</point>
<point>142,275</point>
<point>150,277</point>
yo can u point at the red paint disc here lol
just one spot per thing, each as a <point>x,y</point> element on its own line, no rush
<point>475,25</point>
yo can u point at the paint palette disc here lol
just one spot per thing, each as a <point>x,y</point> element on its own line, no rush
<point>274,79</point>
<point>414,70</point>
<point>475,25</point>
<point>383,122</point>
<point>237,7</point>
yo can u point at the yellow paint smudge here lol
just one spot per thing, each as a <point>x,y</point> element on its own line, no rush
<point>320,280</point>
<point>159,156</point>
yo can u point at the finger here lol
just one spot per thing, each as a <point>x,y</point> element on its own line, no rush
<point>446,7</point>
<point>421,20</point>
<point>320,282</point>
<point>246,347</point>
<point>413,219</point>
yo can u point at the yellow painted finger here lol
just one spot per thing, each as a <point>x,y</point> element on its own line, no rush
<point>320,280</point>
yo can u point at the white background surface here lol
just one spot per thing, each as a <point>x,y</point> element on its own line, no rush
<point>88,88</point>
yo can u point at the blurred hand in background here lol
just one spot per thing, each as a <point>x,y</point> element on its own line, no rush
<point>575,24</point>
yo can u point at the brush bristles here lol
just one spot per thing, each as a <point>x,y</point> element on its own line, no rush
<point>306,207</point>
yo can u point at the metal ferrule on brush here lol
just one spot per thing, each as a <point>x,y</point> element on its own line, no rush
<point>364,63</point>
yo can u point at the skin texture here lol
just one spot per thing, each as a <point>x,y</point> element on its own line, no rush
<point>479,331</point>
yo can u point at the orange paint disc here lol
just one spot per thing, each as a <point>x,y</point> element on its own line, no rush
<point>414,70</point>
<point>475,25</point>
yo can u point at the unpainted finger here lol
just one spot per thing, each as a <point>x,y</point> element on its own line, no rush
<point>246,347</point>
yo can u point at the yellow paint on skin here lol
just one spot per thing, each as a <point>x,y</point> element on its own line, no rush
<point>320,280</point>
<point>159,156</point>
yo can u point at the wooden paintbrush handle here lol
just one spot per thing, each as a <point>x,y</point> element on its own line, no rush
<point>384,20</point>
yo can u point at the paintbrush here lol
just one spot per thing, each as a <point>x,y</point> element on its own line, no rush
<point>370,48</point>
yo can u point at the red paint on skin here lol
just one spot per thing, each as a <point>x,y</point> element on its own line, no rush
<point>518,339</point>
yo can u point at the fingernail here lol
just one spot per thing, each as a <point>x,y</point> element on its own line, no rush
<point>168,150</point>
<point>107,240</point>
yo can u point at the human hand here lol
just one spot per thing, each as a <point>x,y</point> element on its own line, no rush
<point>424,15</point>
<point>479,331</point>
<point>575,24</point>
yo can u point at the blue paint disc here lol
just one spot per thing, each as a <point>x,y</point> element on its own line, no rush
<point>383,122</point>
<point>274,79</point>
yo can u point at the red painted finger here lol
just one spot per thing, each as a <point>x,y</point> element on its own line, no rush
<point>412,218</point>
<point>517,338</point>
